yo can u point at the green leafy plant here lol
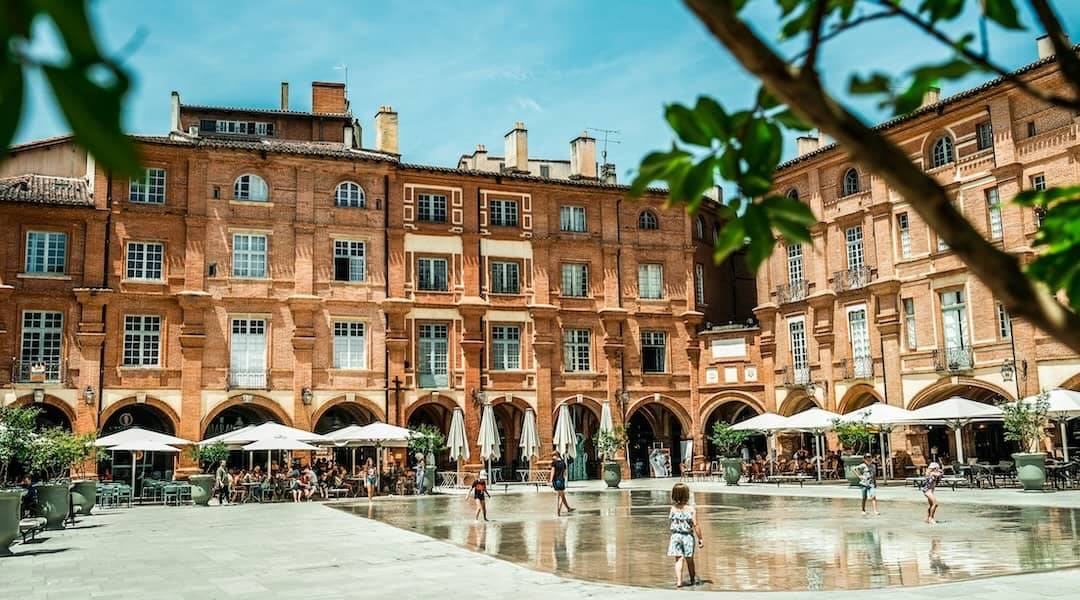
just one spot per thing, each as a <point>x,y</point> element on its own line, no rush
<point>427,439</point>
<point>208,457</point>
<point>1026,421</point>
<point>17,425</point>
<point>55,451</point>
<point>608,442</point>
<point>727,440</point>
<point>854,436</point>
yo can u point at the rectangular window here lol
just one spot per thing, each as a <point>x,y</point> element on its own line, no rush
<point>576,351</point>
<point>993,209</point>
<point>505,278</point>
<point>909,321</point>
<point>1004,322</point>
<point>145,260</point>
<point>545,171</point>
<point>650,281</point>
<point>653,352</point>
<point>575,280</point>
<point>572,218</point>
<point>797,334</point>
<point>350,345</point>
<point>905,235</point>
<point>240,127</point>
<point>794,263</point>
<point>954,321</point>
<point>149,188</point>
<point>860,342</point>
<point>249,256</point>
<point>142,340</point>
<point>854,241</point>
<point>505,348</point>
<point>350,260</point>
<point>1031,128</point>
<point>247,354</point>
<point>40,349</point>
<point>984,136</point>
<point>431,208</point>
<point>46,252</point>
<point>431,274</point>
<point>504,213</point>
<point>699,284</point>
<point>433,356</point>
<point>1038,182</point>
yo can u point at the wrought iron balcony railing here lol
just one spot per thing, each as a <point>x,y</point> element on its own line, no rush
<point>792,292</point>
<point>248,379</point>
<point>851,279</point>
<point>796,376</point>
<point>37,371</point>
<point>859,367</point>
<point>953,358</point>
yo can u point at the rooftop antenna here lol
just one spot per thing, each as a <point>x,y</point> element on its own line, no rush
<point>608,134</point>
<point>344,67</point>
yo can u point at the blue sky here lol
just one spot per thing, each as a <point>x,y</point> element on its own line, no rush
<point>461,73</point>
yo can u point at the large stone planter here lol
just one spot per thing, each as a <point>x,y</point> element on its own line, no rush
<point>429,479</point>
<point>53,503</point>
<point>1031,470</point>
<point>202,487</point>
<point>732,470</point>
<point>10,505</point>
<point>612,474</point>
<point>849,462</point>
<point>84,495</point>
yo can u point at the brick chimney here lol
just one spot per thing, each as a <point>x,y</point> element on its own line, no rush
<point>284,95</point>
<point>805,144</point>
<point>516,144</point>
<point>480,157</point>
<point>932,96</point>
<point>386,130</point>
<point>583,157</point>
<point>328,97</point>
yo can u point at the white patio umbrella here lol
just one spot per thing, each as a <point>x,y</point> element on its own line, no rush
<point>565,439</point>
<point>767,423</point>
<point>530,441</point>
<point>605,417</point>
<point>267,431</point>
<point>456,441</point>
<point>956,412</point>
<point>277,443</point>
<point>143,445</point>
<point>372,434</point>
<point>138,434</point>
<point>884,417</point>
<point>1062,405</point>
<point>210,441</point>
<point>489,440</point>
<point>817,421</point>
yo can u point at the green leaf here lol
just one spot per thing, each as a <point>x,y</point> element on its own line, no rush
<point>952,69</point>
<point>1002,12</point>
<point>685,124</point>
<point>876,83</point>
<point>942,10</point>
<point>731,237</point>
<point>762,146</point>
<point>761,238</point>
<point>753,185</point>
<point>11,100</point>
<point>766,100</point>
<point>712,118</point>
<point>654,167</point>
<point>792,121</point>
<point>1048,196</point>
<point>728,163</point>
<point>699,178</point>
<point>788,209</point>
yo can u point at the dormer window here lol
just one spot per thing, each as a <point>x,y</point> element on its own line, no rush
<point>349,195</point>
<point>942,153</point>
<point>251,188</point>
<point>236,127</point>
<point>851,182</point>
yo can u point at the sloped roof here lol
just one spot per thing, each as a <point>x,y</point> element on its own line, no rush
<point>266,111</point>
<point>296,147</point>
<point>42,189</point>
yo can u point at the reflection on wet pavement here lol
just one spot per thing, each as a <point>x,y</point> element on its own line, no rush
<point>751,542</point>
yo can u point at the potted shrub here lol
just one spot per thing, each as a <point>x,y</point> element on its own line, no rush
<point>1024,424</point>
<point>727,442</point>
<point>52,453</point>
<point>207,457</point>
<point>429,440</point>
<point>16,432</point>
<point>855,437</point>
<point>83,490</point>
<point>607,443</point>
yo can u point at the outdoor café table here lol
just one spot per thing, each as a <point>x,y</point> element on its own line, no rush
<point>359,487</point>
<point>252,495</point>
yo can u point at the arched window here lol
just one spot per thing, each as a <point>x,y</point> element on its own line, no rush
<point>715,231</point>
<point>349,195</point>
<point>793,194</point>
<point>647,220</point>
<point>851,182</point>
<point>250,187</point>
<point>699,228</point>
<point>942,153</point>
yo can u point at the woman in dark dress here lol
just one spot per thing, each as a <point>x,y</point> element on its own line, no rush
<point>557,479</point>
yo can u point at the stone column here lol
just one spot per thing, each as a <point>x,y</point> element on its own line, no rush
<point>690,321</point>
<point>397,345</point>
<point>472,309</point>
<point>544,323</point>
<point>192,341</point>
<point>90,338</point>
<point>304,310</point>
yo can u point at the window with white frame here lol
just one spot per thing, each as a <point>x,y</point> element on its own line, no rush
<point>431,208</point>
<point>653,352</point>
<point>1004,322</point>
<point>431,274</point>
<point>236,127</point>
<point>504,213</point>
<point>993,210</point>
<point>576,351</point>
<point>909,321</point>
<point>575,280</point>
<point>249,255</point>
<point>251,188</point>
<point>46,252</point>
<point>572,218</point>
<point>650,281</point>
<point>860,341</point>
<point>984,135</point>
<point>349,194</point>
<point>142,340</point>
<point>350,345</point>
<point>247,353</point>
<point>505,347</point>
<point>433,356</point>
<point>942,152</point>
<point>954,320</point>
<point>145,260</point>
<point>41,344</point>
<point>797,335</point>
<point>1038,182</point>
<point>853,240</point>
<point>794,263</point>
<point>851,182</point>
<point>505,278</point>
<point>699,228</point>
<point>350,260</point>
<point>699,284</point>
<point>903,226</point>
<point>148,188</point>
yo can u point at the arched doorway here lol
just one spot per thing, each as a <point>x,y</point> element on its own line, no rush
<point>436,413</point>
<point>983,441</point>
<point>731,411</point>
<point>153,465</point>
<point>50,417</point>
<point>342,415</point>
<point>654,434</point>
<point>238,416</point>
<point>586,416</point>
<point>787,444</point>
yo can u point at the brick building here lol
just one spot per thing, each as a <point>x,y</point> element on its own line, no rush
<point>268,266</point>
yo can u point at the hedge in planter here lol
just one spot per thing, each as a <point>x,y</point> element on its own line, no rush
<point>1025,423</point>
<point>855,437</point>
<point>727,442</point>
<point>607,444</point>
<point>53,453</point>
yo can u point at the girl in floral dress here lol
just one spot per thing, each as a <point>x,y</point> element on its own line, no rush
<point>685,533</point>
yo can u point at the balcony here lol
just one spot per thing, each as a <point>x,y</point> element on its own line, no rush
<point>953,359</point>
<point>859,367</point>
<point>792,292</point>
<point>249,379</point>
<point>796,376</point>
<point>37,371</point>
<point>851,279</point>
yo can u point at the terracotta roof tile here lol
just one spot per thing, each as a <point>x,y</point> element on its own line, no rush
<point>41,189</point>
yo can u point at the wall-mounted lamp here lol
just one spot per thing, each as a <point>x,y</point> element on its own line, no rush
<point>306,396</point>
<point>88,396</point>
<point>1008,370</point>
<point>479,397</point>
<point>39,395</point>
<point>622,397</point>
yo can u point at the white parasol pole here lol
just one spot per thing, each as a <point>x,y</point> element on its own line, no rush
<point>1064,440</point>
<point>817,453</point>
<point>133,464</point>
<point>959,442</point>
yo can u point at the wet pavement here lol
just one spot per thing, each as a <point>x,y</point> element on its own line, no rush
<point>753,542</point>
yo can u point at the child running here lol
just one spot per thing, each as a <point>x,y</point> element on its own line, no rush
<point>867,474</point>
<point>929,485</point>
<point>684,531</point>
<point>480,493</point>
